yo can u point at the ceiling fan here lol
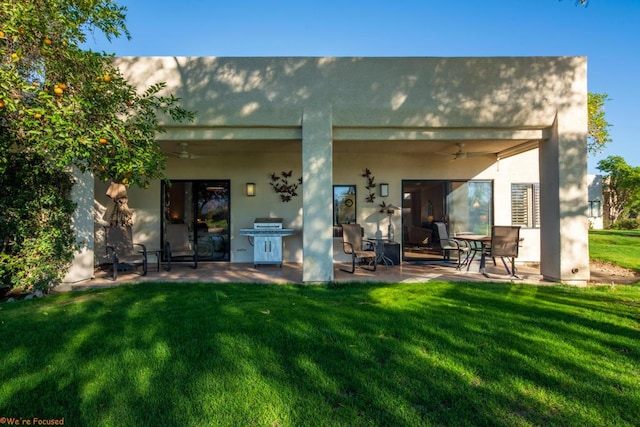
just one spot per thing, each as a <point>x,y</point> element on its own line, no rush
<point>184,153</point>
<point>461,154</point>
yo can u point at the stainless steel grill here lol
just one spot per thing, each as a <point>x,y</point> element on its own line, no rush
<point>266,239</point>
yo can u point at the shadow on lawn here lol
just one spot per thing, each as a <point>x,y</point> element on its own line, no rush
<point>355,354</point>
<point>577,345</point>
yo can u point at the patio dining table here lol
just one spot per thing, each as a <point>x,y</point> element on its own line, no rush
<point>478,243</point>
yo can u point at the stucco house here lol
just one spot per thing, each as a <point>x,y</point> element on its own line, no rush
<point>470,141</point>
<point>595,202</point>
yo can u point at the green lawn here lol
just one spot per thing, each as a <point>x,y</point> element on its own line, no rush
<point>351,355</point>
<point>621,247</point>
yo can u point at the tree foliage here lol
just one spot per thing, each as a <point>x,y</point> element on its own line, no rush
<point>621,188</point>
<point>35,221</point>
<point>598,126</point>
<point>581,2</point>
<point>63,107</point>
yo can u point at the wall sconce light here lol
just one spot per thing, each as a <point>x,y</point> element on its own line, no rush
<point>251,189</point>
<point>384,190</point>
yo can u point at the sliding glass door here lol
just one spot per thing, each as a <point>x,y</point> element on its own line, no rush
<point>463,206</point>
<point>204,206</point>
<point>469,207</point>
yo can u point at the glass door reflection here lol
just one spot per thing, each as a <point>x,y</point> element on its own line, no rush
<point>204,206</point>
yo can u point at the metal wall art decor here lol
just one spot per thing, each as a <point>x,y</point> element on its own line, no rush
<point>282,185</point>
<point>371,185</point>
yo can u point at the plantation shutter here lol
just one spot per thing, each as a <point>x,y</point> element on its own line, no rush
<point>525,205</point>
<point>536,205</point>
<point>519,206</point>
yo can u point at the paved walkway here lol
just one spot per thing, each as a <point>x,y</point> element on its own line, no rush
<point>225,272</point>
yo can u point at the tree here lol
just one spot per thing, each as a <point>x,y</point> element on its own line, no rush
<point>621,188</point>
<point>64,108</point>
<point>581,2</point>
<point>598,127</point>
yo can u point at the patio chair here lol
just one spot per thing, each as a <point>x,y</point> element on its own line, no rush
<point>352,244</point>
<point>122,252</point>
<point>448,245</point>
<point>178,246</point>
<point>505,242</point>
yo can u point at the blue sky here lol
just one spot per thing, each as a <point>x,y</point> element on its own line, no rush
<point>607,32</point>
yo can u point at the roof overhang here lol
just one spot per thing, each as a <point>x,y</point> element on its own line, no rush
<point>207,141</point>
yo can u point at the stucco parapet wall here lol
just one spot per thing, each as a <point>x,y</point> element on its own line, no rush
<point>418,92</point>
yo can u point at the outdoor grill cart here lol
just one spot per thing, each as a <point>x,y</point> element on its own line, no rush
<point>266,239</point>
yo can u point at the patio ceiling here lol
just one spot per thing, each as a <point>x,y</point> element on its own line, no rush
<point>209,142</point>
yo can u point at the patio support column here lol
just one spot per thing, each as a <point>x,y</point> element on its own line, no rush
<point>82,194</point>
<point>564,237</point>
<point>317,193</point>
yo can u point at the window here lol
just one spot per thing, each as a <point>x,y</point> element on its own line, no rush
<point>525,205</point>
<point>595,209</point>
<point>344,204</point>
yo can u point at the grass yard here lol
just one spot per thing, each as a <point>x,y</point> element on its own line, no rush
<point>351,355</point>
<point>621,247</point>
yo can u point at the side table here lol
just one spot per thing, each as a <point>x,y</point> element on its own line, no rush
<point>388,251</point>
<point>391,252</point>
<point>158,254</point>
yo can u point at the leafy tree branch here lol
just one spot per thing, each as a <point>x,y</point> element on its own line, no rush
<point>62,107</point>
<point>621,188</point>
<point>598,126</point>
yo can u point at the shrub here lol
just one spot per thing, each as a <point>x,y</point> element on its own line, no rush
<point>627,224</point>
<point>35,223</point>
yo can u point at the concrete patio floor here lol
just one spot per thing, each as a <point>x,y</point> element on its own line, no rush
<point>225,272</point>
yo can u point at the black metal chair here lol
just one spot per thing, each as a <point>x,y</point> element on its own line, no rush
<point>352,244</point>
<point>178,246</point>
<point>448,245</point>
<point>122,252</point>
<point>505,243</point>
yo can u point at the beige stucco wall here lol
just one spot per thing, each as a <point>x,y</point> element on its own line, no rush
<point>407,92</point>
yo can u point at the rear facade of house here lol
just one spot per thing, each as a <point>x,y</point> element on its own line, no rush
<point>470,142</point>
